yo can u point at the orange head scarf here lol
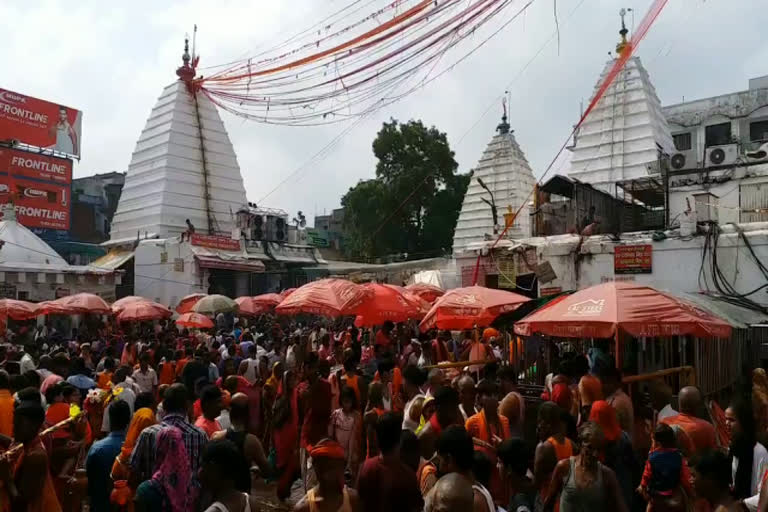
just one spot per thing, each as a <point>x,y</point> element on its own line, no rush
<point>590,389</point>
<point>57,413</point>
<point>604,415</point>
<point>562,396</point>
<point>142,419</point>
<point>327,448</point>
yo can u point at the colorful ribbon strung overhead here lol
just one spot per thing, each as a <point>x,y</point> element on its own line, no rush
<point>397,46</point>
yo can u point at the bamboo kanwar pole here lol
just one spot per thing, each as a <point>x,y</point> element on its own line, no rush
<point>460,364</point>
<point>53,428</point>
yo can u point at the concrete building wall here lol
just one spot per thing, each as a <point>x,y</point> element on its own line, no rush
<point>676,260</point>
<point>158,277</point>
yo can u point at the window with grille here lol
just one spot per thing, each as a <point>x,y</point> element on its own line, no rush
<point>753,201</point>
<point>717,134</point>
<point>758,131</point>
<point>682,141</point>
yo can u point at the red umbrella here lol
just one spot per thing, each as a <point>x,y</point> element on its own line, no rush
<point>258,304</point>
<point>465,308</point>
<point>268,299</point>
<point>84,303</point>
<point>387,302</point>
<point>51,307</point>
<point>428,292</point>
<point>187,303</point>
<point>119,304</point>
<point>140,311</point>
<point>638,310</point>
<point>326,297</point>
<point>17,309</point>
<point>287,292</point>
<point>194,320</point>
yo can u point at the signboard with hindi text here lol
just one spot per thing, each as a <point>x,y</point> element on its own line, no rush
<point>214,242</point>
<point>633,259</point>
<point>40,123</point>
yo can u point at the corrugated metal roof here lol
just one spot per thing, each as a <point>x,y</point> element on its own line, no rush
<point>737,316</point>
<point>114,259</point>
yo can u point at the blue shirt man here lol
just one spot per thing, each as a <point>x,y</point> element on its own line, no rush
<point>101,456</point>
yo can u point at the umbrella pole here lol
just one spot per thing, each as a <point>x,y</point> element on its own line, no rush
<point>618,350</point>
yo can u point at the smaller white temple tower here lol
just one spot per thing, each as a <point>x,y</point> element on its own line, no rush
<point>503,181</point>
<point>626,134</point>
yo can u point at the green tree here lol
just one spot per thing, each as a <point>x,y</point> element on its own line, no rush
<point>413,203</point>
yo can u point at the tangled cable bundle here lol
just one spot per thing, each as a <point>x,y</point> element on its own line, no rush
<point>340,70</point>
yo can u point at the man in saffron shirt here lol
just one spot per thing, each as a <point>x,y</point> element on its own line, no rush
<point>316,402</point>
<point>384,335</point>
<point>386,483</point>
<point>700,432</point>
<point>211,404</point>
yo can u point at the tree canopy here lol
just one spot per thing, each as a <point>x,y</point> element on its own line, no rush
<point>412,204</point>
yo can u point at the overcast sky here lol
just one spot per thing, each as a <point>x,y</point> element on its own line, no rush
<point>111,60</point>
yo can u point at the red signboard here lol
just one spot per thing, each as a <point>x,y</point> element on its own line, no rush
<point>633,259</point>
<point>38,204</point>
<point>23,164</point>
<point>39,123</point>
<point>40,186</point>
<point>552,290</point>
<point>215,242</point>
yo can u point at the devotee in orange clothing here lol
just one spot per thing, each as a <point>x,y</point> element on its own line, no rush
<point>700,432</point>
<point>6,405</point>
<point>167,373</point>
<point>211,404</point>
<point>488,430</point>
<point>28,481</point>
<point>104,378</point>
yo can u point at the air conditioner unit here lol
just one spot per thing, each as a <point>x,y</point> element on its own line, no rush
<point>758,155</point>
<point>256,228</point>
<point>725,154</point>
<point>276,229</point>
<point>683,160</point>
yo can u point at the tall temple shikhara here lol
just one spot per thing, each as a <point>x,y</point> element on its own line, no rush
<point>625,133</point>
<point>183,167</point>
<point>503,178</point>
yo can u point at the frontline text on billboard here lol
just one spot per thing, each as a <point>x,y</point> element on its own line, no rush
<point>39,123</point>
<point>23,164</point>
<point>40,186</point>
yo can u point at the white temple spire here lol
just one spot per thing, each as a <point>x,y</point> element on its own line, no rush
<point>183,167</point>
<point>502,180</point>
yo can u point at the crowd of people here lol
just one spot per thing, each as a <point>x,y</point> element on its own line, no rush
<point>158,419</point>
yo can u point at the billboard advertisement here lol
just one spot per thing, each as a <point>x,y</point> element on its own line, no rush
<point>40,186</point>
<point>40,123</point>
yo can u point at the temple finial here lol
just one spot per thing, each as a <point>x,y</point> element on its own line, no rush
<point>185,72</point>
<point>503,127</point>
<point>623,43</point>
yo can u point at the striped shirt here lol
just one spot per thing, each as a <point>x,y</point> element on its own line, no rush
<point>143,456</point>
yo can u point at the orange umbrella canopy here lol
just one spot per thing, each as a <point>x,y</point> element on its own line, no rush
<point>119,304</point>
<point>387,302</point>
<point>428,292</point>
<point>640,311</point>
<point>465,308</point>
<point>194,321</point>
<point>51,307</point>
<point>140,311</point>
<point>187,303</point>
<point>17,309</point>
<point>326,297</point>
<point>287,292</point>
<point>84,303</point>
<point>268,299</point>
<point>258,304</point>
